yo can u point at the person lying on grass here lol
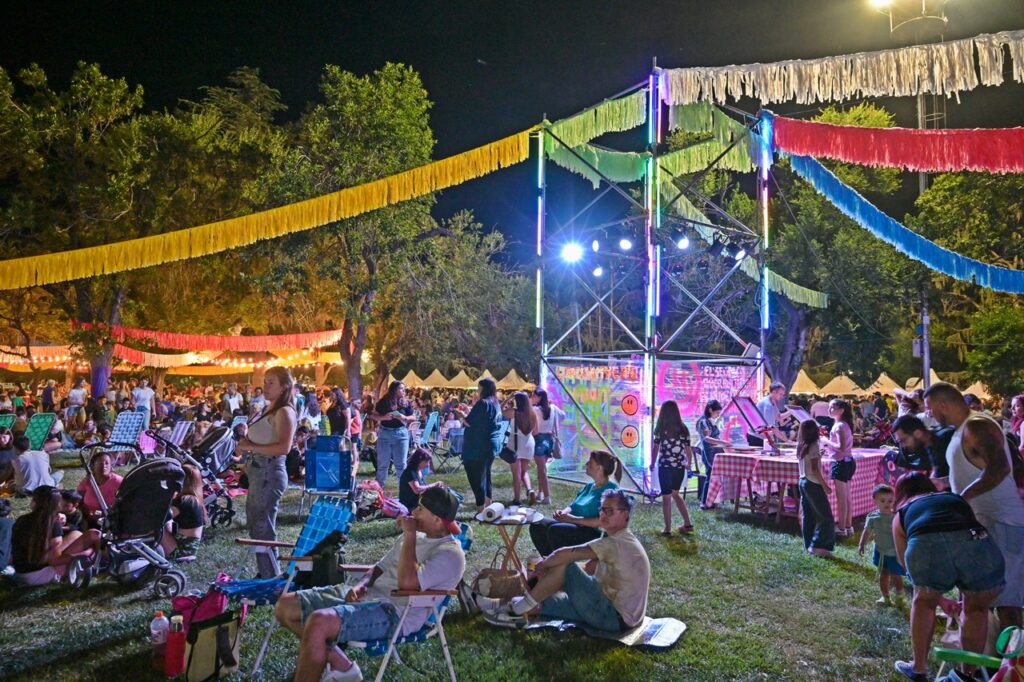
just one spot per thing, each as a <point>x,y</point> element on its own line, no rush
<point>609,594</point>
<point>425,557</point>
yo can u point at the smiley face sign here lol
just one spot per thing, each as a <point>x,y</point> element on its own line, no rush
<point>630,437</point>
<point>630,405</point>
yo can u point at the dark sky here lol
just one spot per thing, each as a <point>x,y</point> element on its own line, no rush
<point>492,68</point>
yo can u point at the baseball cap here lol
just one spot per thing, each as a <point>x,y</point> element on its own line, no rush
<point>443,503</point>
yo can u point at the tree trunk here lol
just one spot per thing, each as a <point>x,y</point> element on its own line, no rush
<point>159,375</point>
<point>101,362</point>
<point>794,343</point>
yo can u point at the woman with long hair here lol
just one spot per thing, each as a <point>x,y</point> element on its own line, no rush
<point>482,441</point>
<point>673,456</point>
<point>311,410</point>
<point>185,531</point>
<point>709,434</point>
<point>40,550</point>
<point>267,443</point>
<point>840,444</point>
<point>101,466</point>
<point>521,429</point>
<point>818,525</point>
<point>580,521</point>
<point>393,413</point>
<point>549,417</point>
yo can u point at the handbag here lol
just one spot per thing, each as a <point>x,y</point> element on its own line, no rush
<point>212,646</point>
<point>509,454</point>
<point>556,444</point>
<point>499,583</point>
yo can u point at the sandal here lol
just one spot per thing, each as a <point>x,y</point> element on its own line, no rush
<point>686,529</point>
<point>666,533</point>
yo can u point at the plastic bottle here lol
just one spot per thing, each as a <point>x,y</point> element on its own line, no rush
<point>158,628</point>
<point>174,661</point>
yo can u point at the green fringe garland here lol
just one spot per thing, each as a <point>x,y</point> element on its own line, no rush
<point>612,116</point>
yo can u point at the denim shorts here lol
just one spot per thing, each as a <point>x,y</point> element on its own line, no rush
<point>843,470</point>
<point>582,601</point>
<point>360,622</point>
<point>942,561</point>
<point>544,443</point>
<point>670,479</point>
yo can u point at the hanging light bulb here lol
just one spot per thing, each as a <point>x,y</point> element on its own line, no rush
<point>598,271</point>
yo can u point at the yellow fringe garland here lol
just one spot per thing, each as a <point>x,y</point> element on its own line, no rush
<point>234,233</point>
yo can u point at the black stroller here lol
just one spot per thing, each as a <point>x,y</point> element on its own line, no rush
<point>132,528</point>
<point>211,456</point>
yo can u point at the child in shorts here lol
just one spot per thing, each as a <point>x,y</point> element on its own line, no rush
<point>878,526</point>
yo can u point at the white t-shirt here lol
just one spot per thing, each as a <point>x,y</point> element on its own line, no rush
<point>31,470</point>
<point>143,397</point>
<point>548,425</point>
<point>233,402</point>
<point>441,565</point>
<point>770,410</point>
<point>77,396</point>
<point>624,574</point>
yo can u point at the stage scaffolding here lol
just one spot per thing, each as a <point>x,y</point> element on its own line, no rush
<point>644,341</point>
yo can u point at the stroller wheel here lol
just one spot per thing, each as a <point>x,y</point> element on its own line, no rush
<point>80,572</point>
<point>170,584</point>
<point>221,518</point>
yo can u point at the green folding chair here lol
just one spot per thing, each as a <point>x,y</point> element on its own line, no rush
<point>39,426</point>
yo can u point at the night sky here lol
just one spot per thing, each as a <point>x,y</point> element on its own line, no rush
<point>491,68</point>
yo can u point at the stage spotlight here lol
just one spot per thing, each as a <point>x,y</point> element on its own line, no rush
<point>595,246</point>
<point>625,243</point>
<point>741,254</point>
<point>716,248</point>
<point>598,271</point>
<point>735,251</point>
<point>682,242</point>
<point>572,253</point>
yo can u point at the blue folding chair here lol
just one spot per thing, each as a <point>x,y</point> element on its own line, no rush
<point>451,450</point>
<point>328,469</point>
<point>436,600</point>
<point>328,513</point>
<point>124,435</point>
<point>428,437</point>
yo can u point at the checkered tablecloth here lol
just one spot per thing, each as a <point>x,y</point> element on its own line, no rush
<point>765,468</point>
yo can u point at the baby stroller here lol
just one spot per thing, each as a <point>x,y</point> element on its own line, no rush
<point>210,456</point>
<point>132,528</point>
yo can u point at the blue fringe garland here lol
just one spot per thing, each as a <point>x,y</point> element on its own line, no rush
<point>905,240</point>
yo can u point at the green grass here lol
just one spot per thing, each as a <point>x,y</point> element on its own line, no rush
<point>756,605</point>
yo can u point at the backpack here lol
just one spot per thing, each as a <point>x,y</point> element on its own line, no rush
<point>197,607</point>
<point>369,499</point>
<point>392,508</point>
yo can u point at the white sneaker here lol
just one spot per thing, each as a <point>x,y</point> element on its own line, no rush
<point>504,619</point>
<point>489,605</point>
<point>353,674</point>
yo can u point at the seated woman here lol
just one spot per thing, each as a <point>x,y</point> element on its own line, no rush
<point>40,550</point>
<point>102,468</point>
<point>609,595</point>
<point>579,522</point>
<point>185,530</point>
<point>413,482</point>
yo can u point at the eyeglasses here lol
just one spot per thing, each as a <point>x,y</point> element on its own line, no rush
<point>610,510</point>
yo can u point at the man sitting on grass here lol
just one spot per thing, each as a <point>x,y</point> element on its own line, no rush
<point>425,557</point>
<point>610,594</point>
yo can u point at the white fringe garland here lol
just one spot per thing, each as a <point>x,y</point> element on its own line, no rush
<point>942,69</point>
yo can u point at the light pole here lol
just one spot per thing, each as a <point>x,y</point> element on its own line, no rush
<point>916,22</point>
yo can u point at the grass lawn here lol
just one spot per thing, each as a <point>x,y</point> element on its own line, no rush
<point>757,606</point>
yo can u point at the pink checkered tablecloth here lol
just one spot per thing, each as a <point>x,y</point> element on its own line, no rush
<point>785,469</point>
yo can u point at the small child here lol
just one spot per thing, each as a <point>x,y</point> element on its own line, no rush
<point>413,481</point>
<point>878,526</point>
<point>70,503</point>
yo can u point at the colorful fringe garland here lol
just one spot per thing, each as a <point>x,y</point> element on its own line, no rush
<point>144,359</point>
<point>230,234</point>
<point>906,241</point>
<point>612,116</point>
<point>699,156</point>
<point>616,166</point>
<point>944,68</point>
<point>998,150</point>
<point>240,344</point>
<point>705,117</point>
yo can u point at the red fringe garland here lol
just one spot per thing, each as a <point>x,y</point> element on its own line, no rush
<point>996,150</point>
<point>240,344</point>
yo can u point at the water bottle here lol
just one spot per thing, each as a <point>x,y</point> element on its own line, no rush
<point>158,628</point>
<point>174,660</point>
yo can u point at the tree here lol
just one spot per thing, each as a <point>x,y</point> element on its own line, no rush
<point>996,360</point>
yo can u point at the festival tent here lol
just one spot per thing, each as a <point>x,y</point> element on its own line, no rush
<point>841,385</point>
<point>884,384</point>
<point>979,389</point>
<point>804,384</point>
<point>435,380</point>
<point>461,380</point>
<point>914,383</point>
<point>513,382</point>
<point>487,375</point>
<point>411,379</point>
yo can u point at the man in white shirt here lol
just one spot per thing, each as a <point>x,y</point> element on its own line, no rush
<point>610,594</point>
<point>31,468</point>
<point>232,402</point>
<point>769,408</point>
<point>426,557</point>
<point>145,401</point>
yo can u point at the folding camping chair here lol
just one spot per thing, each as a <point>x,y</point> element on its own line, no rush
<point>329,513</point>
<point>436,600</point>
<point>180,432</point>
<point>38,428</point>
<point>124,436</point>
<point>450,450</point>
<point>433,425</point>
<point>7,420</point>
<point>328,469</point>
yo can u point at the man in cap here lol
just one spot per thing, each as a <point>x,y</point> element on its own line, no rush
<point>425,557</point>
